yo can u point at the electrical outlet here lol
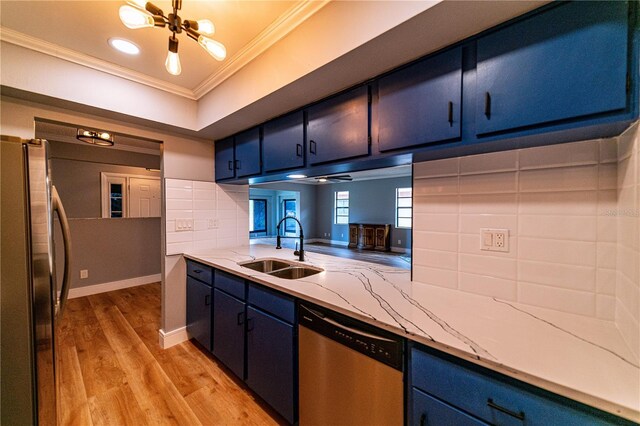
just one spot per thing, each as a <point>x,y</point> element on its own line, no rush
<point>399,242</point>
<point>213,224</point>
<point>341,235</point>
<point>84,273</point>
<point>494,239</point>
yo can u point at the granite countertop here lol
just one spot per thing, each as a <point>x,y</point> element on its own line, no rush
<point>579,357</point>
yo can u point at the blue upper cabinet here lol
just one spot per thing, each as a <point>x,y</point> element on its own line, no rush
<point>338,128</point>
<point>225,160</point>
<point>247,161</point>
<point>282,143</point>
<point>421,103</point>
<point>565,63</point>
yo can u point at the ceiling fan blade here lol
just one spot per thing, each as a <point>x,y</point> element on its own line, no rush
<point>341,177</point>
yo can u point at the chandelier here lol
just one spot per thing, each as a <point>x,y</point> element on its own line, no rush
<point>142,14</point>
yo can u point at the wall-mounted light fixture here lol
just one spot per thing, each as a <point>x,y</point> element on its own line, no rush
<point>95,137</point>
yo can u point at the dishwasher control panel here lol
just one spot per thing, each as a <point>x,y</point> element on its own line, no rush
<point>364,338</point>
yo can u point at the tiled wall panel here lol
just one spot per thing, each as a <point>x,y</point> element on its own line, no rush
<point>627,213</point>
<point>557,202</point>
<point>220,215</point>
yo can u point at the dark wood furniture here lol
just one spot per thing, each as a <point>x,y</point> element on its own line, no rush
<point>369,236</point>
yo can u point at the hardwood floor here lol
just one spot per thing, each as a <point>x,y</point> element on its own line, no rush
<point>113,371</point>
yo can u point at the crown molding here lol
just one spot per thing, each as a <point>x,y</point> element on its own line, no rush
<point>286,23</point>
<point>19,39</point>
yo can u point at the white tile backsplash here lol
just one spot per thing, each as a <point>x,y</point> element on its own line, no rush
<point>207,204</point>
<point>573,215</point>
<point>578,178</point>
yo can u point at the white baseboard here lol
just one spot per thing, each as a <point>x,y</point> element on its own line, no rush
<point>400,250</point>
<point>333,242</point>
<point>114,285</point>
<point>172,337</point>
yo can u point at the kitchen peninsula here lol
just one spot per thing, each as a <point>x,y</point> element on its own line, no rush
<point>559,352</point>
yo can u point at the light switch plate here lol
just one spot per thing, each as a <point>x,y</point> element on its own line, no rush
<point>184,225</point>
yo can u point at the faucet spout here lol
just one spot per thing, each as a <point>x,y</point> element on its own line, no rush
<point>278,237</point>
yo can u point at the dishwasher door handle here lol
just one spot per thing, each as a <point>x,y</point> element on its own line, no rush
<point>319,317</point>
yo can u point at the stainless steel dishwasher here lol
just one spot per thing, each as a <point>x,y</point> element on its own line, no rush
<point>350,372</point>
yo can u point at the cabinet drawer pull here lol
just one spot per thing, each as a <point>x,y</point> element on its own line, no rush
<point>299,150</point>
<point>240,319</point>
<point>197,271</point>
<point>207,300</point>
<point>230,165</point>
<point>312,147</point>
<point>423,419</point>
<point>238,165</point>
<point>450,114</point>
<point>487,105</point>
<point>519,415</point>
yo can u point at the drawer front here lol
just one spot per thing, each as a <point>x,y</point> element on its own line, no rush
<point>493,400</point>
<point>199,271</point>
<point>269,301</point>
<point>428,411</point>
<point>230,284</point>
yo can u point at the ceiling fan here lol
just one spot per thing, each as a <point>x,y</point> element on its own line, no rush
<point>337,178</point>
<point>143,14</point>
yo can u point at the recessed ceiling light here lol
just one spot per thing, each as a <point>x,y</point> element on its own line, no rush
<point>124,46</point>
<point>297,176</point>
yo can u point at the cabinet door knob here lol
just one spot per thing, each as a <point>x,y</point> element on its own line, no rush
<point>450,112</point>
<point>249,324</point>
<point>207,300</point>
<point>312,147</point>
<point>240,319</point>
<point>238,165</point>
<point>230,165</point>
<point>487,105</point>
<point>299,150</point>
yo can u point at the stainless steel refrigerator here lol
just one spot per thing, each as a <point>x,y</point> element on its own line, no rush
<point>31,304</point>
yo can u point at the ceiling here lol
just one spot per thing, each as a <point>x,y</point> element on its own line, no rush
<point>281,55</point>
<point>84,27</point>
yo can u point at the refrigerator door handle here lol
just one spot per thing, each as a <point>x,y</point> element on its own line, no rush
<point>66,238</point>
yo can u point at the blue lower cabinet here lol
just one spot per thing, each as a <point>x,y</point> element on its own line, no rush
<point>228,331</point>
<point>494,398</point>
<point>199,298</point>
<point>271,366</point>
<point>428,411</point>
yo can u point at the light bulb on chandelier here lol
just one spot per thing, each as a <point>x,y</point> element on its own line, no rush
<point>173,60</point>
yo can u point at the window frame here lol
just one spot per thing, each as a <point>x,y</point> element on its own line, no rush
<point>336,207</point>
<point>398,207</point>
<point>266,213</point>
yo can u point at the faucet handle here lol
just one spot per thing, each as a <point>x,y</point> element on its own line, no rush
<point>296,252</point>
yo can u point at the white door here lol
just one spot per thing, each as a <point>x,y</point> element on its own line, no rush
<point>144,197</point>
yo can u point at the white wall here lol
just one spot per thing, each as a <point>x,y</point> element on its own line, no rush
<point>183,158</point>
<point>563,206</point>
<point>36,72</point>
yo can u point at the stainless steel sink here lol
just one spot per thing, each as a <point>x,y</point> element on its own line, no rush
<point>265,265</point>
<point>295,272</point>
<point>280,268</point>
